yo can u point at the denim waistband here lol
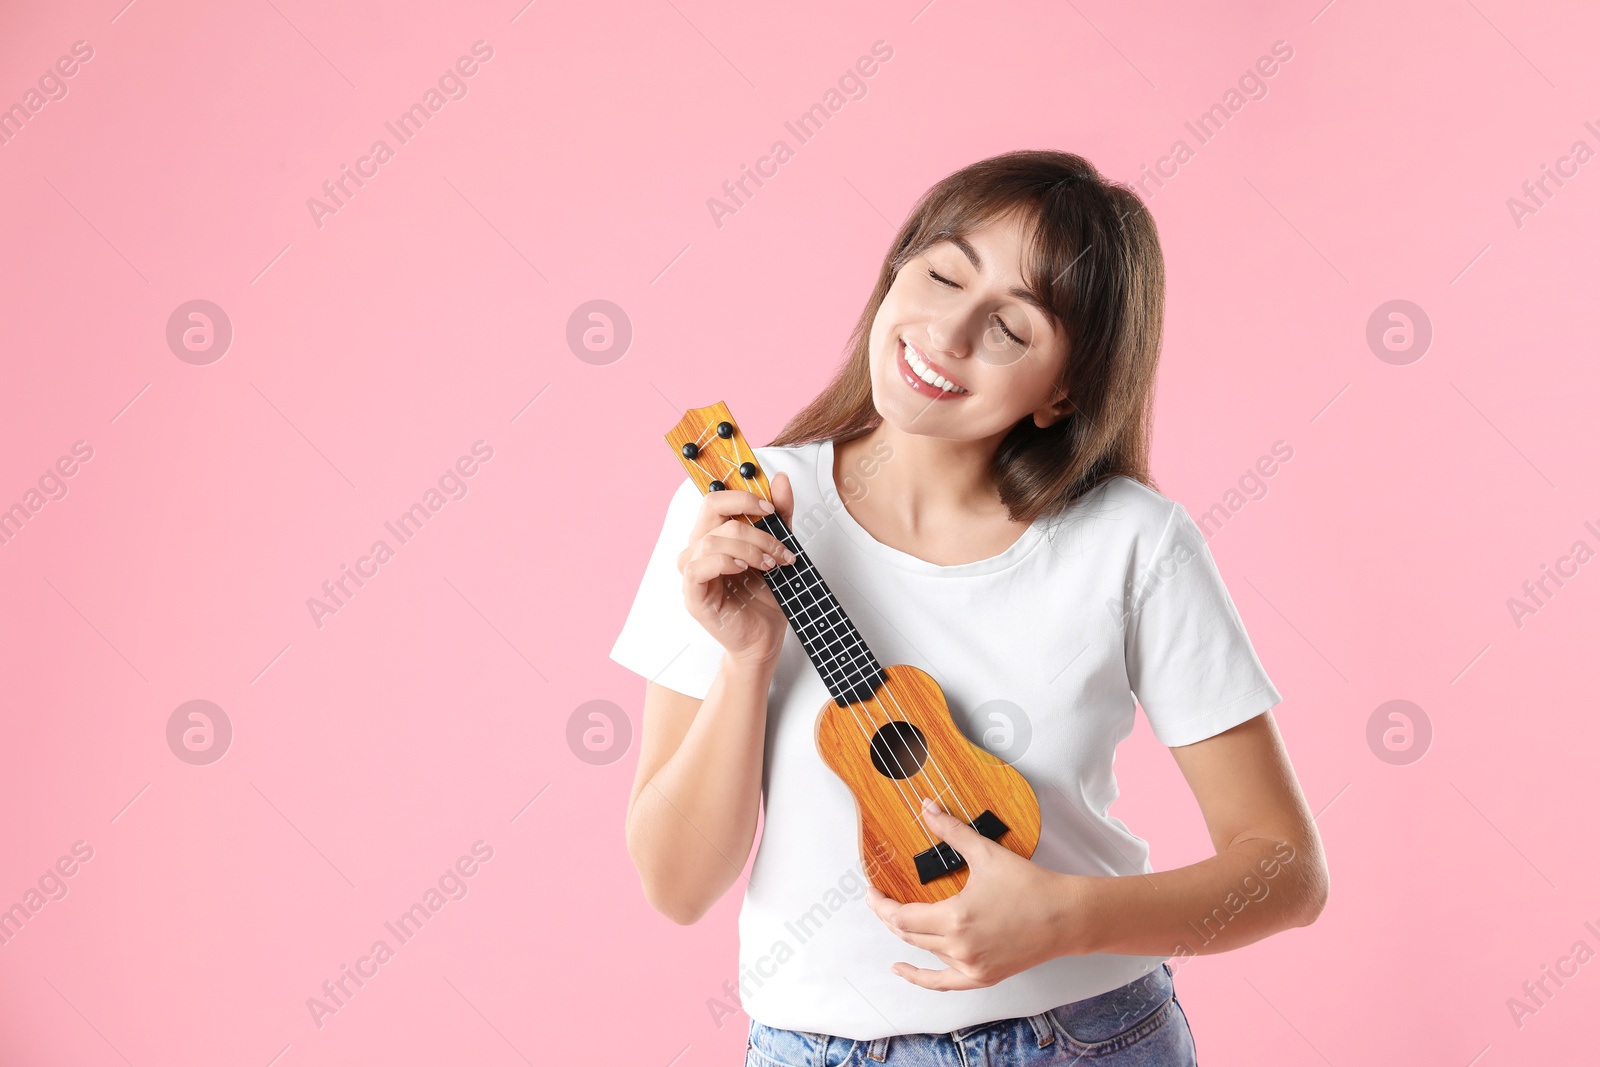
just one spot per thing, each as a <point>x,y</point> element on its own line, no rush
<point>1153,987</point>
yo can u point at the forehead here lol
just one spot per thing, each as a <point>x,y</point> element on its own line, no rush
<point>995,246</point>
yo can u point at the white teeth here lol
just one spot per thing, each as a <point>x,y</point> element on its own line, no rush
<point>927,374</point>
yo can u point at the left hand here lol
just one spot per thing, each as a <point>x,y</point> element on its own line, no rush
<point>1011,915</point>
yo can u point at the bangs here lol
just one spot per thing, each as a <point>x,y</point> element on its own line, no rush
<point>1051,244</point>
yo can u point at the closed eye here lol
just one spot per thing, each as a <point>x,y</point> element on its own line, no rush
<point>942,280</point>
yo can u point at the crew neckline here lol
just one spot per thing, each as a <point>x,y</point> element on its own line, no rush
<point>859,535</point>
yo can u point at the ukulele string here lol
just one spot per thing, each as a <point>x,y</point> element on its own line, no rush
<point>909,778</point>
<point>840,671</point>
<point>853,676</point>
<point>932,759</point>
<point>834,676</point>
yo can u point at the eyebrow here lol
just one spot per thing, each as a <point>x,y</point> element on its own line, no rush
<point>1016,291</point>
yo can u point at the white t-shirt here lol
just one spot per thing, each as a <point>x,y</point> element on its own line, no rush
<point>1041,652</point>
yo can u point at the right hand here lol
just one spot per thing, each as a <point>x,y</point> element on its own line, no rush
<point>722,584</point>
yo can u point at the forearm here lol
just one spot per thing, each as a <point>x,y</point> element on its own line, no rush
<point>1250,890</point>
<point>691,828</point>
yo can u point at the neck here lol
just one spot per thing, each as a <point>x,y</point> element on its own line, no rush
<point>929,478</point>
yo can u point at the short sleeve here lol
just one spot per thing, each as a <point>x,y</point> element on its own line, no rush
<point>1190,662</point>
<point>660,640</point>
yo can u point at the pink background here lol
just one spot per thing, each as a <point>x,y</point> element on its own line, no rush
<point>371,352</point>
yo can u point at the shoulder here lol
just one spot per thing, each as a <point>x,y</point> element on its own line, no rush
<point>793,460</point>
<point>1127,509</point>
<point>800,463</point>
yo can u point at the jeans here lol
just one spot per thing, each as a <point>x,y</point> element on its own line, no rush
<point>1140,1024</point>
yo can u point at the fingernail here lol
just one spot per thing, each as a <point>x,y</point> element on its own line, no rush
<point>768,562</point>
<point>929,805</point>
<point>767,508</point>
<point>742,564</point>
<point>788,557</point>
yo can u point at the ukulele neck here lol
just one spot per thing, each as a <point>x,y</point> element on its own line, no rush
<point>848,667</point>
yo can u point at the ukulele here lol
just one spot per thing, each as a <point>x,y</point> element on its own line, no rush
<point>887,733</point>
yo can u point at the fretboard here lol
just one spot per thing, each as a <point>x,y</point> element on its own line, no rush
<point>841,655</point>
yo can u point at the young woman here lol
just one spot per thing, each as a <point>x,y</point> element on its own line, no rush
<point>974,487</point>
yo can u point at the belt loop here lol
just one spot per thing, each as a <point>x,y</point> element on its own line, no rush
<point>1042,1029</point>
<point>878,1049</point>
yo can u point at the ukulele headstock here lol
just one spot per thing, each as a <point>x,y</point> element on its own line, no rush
<point>715,453</point>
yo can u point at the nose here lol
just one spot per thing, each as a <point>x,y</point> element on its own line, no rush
<point>951,335</point>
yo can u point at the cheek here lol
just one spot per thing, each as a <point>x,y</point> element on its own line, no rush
<point>883,324</point>
<point>1031,385</point>
<point>907,302</point>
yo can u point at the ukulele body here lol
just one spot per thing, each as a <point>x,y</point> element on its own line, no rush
<point>899,746</point>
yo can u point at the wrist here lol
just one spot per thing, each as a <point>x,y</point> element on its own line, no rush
<point>1078,913</point>
<point>740,668</point>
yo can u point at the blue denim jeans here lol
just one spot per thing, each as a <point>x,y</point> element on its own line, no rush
<point>1140,1024</point>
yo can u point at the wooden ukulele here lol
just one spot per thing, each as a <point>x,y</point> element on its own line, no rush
<point>887,733</point>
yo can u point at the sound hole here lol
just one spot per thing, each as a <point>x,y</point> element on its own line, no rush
<point>898,750</point>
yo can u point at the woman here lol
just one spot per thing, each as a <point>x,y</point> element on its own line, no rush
<point>974,486</point>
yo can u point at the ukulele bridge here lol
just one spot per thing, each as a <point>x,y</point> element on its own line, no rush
<point>941,859</point>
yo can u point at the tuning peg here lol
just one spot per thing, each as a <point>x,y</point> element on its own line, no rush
<point>724,429</point>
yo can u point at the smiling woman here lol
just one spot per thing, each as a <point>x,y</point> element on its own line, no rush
<point>1000,381</point>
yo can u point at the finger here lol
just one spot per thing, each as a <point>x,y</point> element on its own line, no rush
<point>747,587</point>
<point>883,906</point>
<point>717,508</point>
<point>783,496</point>
<point>755,535</point>
<point>730,502</point>
<point>973,846</point>
<point>708,569</point>
<point>892,912</point>
<point>918,918</point>
<point>935,943</point>
<point>738,548</point>
<point>941,980</point>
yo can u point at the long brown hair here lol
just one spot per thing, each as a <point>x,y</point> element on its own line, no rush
<point>1093,259</point>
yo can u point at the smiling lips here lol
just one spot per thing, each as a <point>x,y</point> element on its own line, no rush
<point>926,377</point>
